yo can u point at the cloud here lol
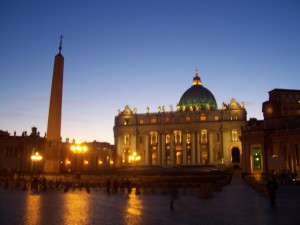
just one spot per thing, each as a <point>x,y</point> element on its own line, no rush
<point>19,116</point>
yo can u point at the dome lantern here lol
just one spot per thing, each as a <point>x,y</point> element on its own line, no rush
<point>197,80</point>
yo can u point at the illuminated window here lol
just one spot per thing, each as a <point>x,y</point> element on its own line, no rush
<point>153,120</point>
<point>167,119</point>
<point>269,110</point>
<point>256,158</point>
<point>203,136</point>
<point>178,158</point>
<point>154,158</point>
<point>188,138</point>
<point>234,135</point>
<point>168,160</point>
<point>203,117</point>
<point>141,121</point>
<point>217,118</point>
<point>188,119</point>
<point>126,121</point>
<point>189,159</point>
<point>153,138</point>
<point>177,137</point>
<point>126,139</point>
<point>168,139</point>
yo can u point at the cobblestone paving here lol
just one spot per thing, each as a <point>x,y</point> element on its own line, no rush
<point>235,204</point>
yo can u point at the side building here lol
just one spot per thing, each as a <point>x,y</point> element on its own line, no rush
<point>196,132</point>
<point>16,152</point>
<point>273,144</point>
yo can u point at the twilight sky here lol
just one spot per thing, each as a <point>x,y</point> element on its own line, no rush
<point>140,53</point>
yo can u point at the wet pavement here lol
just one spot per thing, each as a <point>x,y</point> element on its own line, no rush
<point>236,204</point>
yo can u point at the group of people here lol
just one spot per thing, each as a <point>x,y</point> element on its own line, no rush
<point>115,185</point>
<point>38,184</point>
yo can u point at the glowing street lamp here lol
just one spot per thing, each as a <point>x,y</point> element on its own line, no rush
<point>35,159</point>
<point>79,149</point>
<point>134,158</point>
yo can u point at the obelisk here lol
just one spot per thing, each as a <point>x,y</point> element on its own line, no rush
<point>53,145</point>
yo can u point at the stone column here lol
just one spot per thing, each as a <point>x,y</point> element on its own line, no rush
<point>159,149</point>
<point>193,152</point>
<point>163,149</point>
<point>147,158</point>
<point>184,149</point>
<point>199,162</point>
<point>172,150</point>
<point>210,147</point>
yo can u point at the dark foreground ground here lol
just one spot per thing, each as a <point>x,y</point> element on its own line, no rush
<point>236,204</point>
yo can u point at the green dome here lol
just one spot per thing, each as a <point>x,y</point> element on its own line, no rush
<point>198,96</point>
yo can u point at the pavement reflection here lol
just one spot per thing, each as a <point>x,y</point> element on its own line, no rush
<point>134,210</point>
<point>32,210</point>
<point>75,208</point>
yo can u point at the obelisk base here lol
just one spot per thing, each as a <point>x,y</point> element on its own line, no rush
<point>52,166</point>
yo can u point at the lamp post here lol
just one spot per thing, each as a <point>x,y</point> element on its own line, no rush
<point>79,149</point>
<point>134,158</point>
<point>35,159</point>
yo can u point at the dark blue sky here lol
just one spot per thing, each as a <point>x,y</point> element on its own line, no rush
<point>141,53</point>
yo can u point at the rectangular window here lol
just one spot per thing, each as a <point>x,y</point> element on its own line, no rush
<point>154,158</point>
<point>153,138</point>
<point>203,117</point>
<point>188,138</point>
<point>153,120</point>
<point>167,119</point>
<point>188,119</point>
<point>141,121</point>
<point>217,118</point>
<point>177,137</point>
<point>126,121</point>
<point>234,135</point>
<point>256,158</point>
<point>203,136</point>
<point>126,139</point>
<point>204,154</point>
<point>168,139</point>
<point>168,160</point>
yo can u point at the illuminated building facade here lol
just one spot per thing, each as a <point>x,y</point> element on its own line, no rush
<point>195,132</point>
<point>16,152</point>
<point>273,144</point>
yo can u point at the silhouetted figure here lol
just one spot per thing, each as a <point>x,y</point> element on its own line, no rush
<point>272,188</point>
<point>138,190</point>
<point>174,195</point>
<point>35,185</point>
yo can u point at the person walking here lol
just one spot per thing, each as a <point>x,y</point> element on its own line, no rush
<point>174,195</point>
<point>272,187</point>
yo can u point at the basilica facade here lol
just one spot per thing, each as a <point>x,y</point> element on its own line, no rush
<point>195,132</point>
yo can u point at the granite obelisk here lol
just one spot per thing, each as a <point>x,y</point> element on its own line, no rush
<point>53,145</point>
